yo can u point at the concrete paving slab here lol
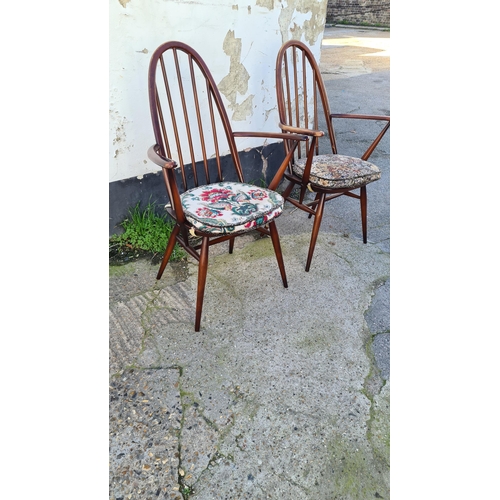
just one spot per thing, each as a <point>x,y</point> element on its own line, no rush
<point>275,390</point>
<point>145,420</point>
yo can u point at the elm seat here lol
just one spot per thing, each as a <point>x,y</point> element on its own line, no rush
<point>230,207</point>
<point>338,171</point>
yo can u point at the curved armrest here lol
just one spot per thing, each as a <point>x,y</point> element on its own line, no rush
<point>158,159</point>
<point>304,131</point>
<point>168,166</point>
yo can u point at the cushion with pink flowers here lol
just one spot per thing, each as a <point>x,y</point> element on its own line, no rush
<point>338,171</point>
<point>230,207</point>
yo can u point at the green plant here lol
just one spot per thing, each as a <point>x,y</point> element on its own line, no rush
<point>145,230</point>
<point>186,491</point>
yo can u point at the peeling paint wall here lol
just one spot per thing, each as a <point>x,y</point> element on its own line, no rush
<point>308,27</point>
<point>235,83</point>
<point>239,42</point>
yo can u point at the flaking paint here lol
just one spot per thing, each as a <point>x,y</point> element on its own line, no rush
<point>236,82</point>
<point>312,28</point>
<point>268,4</point>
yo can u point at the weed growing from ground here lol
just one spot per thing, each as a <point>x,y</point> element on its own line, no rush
<point>145,230</point>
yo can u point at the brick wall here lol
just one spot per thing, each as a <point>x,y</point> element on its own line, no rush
<point>373,12</point>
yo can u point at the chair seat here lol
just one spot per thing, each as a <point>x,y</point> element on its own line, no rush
<point>230,207</point>
<point>338,171</point>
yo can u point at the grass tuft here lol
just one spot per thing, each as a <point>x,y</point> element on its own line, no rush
<point>145,230</point>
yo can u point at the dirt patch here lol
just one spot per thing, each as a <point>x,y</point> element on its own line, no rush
<point>124,255</point>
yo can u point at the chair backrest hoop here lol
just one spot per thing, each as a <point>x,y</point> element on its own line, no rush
<point>300,90</point>
<point>189,119</point>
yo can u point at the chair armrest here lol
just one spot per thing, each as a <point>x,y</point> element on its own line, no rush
<point>168,166</point>
<point>272,135</point>
<point>158,159</point>
<point>361,117</point>
<point>374,144</point>
<point>291,139</point>
<point>304,131</point>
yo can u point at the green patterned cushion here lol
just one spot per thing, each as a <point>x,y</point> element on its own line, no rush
<point>230,207</point>
<point>338,171</point>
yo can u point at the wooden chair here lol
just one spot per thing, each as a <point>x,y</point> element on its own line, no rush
<point>301,98</point>
<point>195,146</point>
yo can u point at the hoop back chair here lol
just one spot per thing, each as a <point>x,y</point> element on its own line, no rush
<point>301,97</point>
<point>196,148</point>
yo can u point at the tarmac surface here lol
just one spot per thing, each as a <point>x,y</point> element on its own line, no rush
<point>284,393</point>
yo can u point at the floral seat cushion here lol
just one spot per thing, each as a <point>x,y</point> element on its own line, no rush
<point>230,207</point>
<point>338,171</point>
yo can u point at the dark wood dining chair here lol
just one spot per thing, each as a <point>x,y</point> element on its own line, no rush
<point>302,97</point>
<point>196,148</point>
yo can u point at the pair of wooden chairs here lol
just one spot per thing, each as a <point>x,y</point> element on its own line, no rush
<point>196,148</point>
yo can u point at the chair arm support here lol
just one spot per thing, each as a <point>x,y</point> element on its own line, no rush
<point>158,159</point>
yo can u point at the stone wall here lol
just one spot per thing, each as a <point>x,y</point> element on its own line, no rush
<point>372,12</point>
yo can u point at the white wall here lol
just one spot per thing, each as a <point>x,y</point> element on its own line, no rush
<point>238,41</point>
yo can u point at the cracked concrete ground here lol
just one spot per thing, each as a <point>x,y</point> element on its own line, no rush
<point>282,399</point>
<point>284,393</point>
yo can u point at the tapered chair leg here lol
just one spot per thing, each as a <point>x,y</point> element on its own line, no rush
<point>277,250</point>
<point>315,199</point>
<point>202,278</point>
<point>288,190</point>
<point>231,245</point>
<point>315,230</point>
<point>364,213</point>
<point>168,252</point>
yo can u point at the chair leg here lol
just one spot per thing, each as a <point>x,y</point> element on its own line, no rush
<point>315,230</point>
<point>315,199</point>
<point>168,252</point>
<point>277,250</point>
<point>364,212</point>
<point>288,190</point>
<point>302,193</point>
<point>202,278</point>
<point>231,245</point>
